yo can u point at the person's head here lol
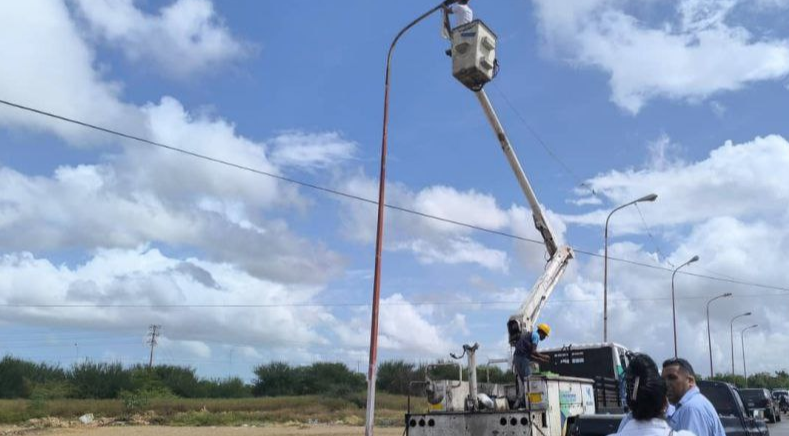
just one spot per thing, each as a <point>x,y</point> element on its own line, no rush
<point>646,390</point>
<point>544,331</point>
<point>679,377</point>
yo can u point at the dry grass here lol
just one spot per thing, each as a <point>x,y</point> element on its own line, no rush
<point>203,412</point>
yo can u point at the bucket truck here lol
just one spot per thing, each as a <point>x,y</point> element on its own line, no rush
<point>470,408</point>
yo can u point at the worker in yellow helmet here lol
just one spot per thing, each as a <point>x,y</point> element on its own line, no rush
<point>526,353</point>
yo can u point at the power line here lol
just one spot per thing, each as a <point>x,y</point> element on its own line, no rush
<point>349,304</point>
<point>370,201</point>
<point>545,146</point>
<point>651,237</point>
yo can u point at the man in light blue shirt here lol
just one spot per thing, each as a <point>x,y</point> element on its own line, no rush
<point>692,410</point>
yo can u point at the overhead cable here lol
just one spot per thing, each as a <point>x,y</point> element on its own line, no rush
<point>367,200</point>
<point>347,304</point>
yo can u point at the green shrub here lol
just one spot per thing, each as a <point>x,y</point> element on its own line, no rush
<point>18,378</point>
<point>275,379</point>
<point>99,380</point>
<point>134,401</point>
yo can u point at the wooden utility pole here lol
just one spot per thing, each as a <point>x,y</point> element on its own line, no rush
<point>153,332</point>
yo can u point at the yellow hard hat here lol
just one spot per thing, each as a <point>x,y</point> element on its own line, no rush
<point>545,328</point>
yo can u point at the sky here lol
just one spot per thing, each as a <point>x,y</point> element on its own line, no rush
<point>605,101</point>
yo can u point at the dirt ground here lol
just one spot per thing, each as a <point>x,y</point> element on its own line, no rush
<point>312,430</point>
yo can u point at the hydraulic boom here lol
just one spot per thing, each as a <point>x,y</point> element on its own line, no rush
<point>530,309</point>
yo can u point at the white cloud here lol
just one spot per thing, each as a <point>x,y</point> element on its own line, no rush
<point>475,208</point>
<point>663,153</point>
<point>311,151</point>
<point>731,182</point>
<point>145,276</point>
<point>718,109</point>
<point>640,315</point>
<point>135,197</point>
<point>434,241</point>
<point>140,193</point>
<point>89,207</point>
<point>402,327</point>
<point>189,348</point>
<point>189,178</point>
<point>690,60</point>
<point>456,251</point>
<point>730,209</point>
<point>46,65</point>
<point>770,4</point>
<point>184,38</point>
<point>587,201</point>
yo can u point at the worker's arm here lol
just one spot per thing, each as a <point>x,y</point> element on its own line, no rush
<point>539,357</point>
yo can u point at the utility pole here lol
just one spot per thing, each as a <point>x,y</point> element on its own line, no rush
<point>153,332</point>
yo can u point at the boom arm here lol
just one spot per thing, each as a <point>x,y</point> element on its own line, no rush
<point>528,312</point>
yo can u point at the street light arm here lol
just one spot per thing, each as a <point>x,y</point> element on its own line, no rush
<point>616,209</point>
<point>709,331</point>
<point>742,345</point>
<point>650,197</point>
<point>673,305</point>
<point>728,294</point>
<point>405,29</point>
<point>731,335</point>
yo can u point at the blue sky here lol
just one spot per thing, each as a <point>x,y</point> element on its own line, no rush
<point>102,236</point>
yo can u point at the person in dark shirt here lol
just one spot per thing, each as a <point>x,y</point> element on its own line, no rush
<point>526,353</point>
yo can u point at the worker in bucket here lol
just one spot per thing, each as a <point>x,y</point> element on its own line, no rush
<point>463,15</point>
<point>646,398</point>
<point>462,12</point>
<point>526,353</point>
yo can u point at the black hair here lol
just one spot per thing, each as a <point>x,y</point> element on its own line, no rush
<point>646,389</point>
<point>683,364</point>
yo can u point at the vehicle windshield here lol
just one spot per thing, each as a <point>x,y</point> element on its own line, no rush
<point>753,395</point>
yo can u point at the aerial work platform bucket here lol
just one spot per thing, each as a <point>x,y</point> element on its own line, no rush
<point>473,54</point>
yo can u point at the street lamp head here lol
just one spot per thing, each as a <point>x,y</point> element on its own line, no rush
<point>694,259</point>
<point>728,294</point>
<point>746,314</point>
<point>650,197</point>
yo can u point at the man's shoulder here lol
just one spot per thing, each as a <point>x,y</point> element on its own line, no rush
<point>697,406</point>
<point>693,410</point>
<point>701,401</point>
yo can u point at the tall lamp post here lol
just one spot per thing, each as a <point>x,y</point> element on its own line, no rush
<point>709,335</point>
<point>742,338</point>
<point>371,374</point>
<point>650,197</point>
<point>731,331</point>
<point>673,306</point>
